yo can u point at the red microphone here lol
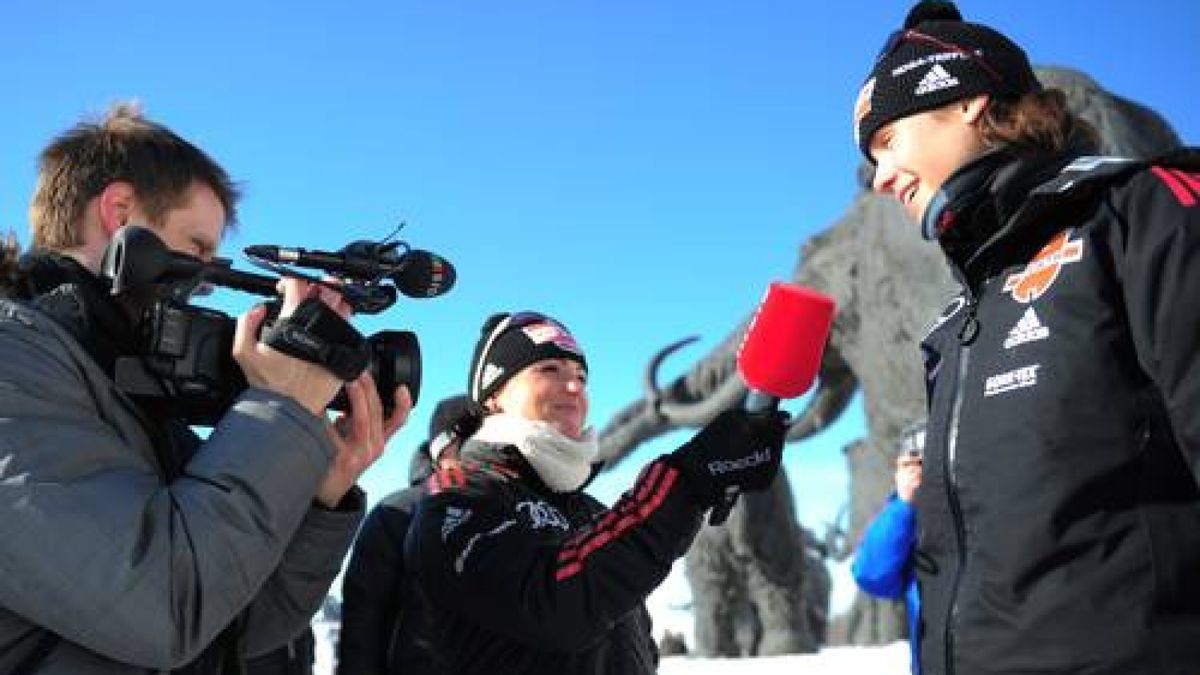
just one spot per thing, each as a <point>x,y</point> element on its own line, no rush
<point>780,354</point>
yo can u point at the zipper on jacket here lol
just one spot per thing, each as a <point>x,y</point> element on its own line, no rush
<point>966,337</point>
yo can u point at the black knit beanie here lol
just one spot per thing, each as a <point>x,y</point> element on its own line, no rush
<point>446,413</point>
<point>509,342</point>
<point>934,60</point>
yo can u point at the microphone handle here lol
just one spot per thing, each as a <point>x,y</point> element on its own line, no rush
<point>756,402</point>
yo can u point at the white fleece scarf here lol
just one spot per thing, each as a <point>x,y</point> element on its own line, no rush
<point>563,464</point>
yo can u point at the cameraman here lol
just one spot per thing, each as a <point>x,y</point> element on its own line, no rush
<point>128,545</point>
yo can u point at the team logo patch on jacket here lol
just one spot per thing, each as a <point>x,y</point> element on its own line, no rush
<point>1028,329</point>
<point>1020,378</point>
<point>1037,277</point>
<point>455,516</point>
<point>541,515</point>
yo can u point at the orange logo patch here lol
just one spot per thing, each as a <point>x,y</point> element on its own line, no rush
<point>1037,277</point>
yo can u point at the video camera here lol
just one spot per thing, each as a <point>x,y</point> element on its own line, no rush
<point>183,357</point>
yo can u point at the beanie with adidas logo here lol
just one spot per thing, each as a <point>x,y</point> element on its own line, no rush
<point>934,60</point>
<point>508,342</point>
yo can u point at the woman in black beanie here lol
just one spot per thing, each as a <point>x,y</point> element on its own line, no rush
<point>1059,506</point>
<point>523,571</point>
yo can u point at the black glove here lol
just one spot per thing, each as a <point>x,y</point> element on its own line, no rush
<point>737,449</point>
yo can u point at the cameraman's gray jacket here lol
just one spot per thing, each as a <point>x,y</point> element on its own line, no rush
<point>136,574</point>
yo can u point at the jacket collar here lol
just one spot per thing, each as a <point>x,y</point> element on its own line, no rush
<point>81,303</point>
<point>507,455</point>
<point>982,205</point>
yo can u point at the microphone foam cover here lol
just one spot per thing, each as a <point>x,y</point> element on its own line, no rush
<point>424,274</point>
<point>781,352</point>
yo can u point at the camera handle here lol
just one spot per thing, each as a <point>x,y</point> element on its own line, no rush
<point>317,334</point>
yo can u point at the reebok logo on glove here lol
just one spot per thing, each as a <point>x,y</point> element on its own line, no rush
<point>720,466</point>
<point>736,448</point>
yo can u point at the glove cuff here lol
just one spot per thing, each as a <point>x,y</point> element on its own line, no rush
<point>699,489</point>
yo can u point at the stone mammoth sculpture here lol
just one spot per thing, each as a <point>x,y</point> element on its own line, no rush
<point>888,284</point>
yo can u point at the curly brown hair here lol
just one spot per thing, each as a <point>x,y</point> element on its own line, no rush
<point>1039,121</point>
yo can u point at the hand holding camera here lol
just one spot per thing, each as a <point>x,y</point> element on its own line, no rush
<point>311,384</point>
<point>200,360</point>
<point>359,437</point>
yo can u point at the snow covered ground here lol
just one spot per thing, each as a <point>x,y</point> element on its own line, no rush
<point>887,660</point>
<point>670,607</point>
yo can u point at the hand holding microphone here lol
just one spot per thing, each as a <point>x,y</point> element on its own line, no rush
<point>738,450</point>
<point>779,357</point>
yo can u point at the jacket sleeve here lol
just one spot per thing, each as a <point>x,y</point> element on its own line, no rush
<point>96,547</point>
<point>883,563</point>
<point>505,573</point>
<point>371,589</point>
<point>300,583</point>
<point>1158,264</point>
<point>632,649</point>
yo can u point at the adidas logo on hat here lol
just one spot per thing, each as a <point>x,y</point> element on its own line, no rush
<point>490,372</point>
<point>937,79</point>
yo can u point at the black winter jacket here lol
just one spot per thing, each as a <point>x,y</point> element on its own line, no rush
<point>384,625</point>
<point>524,580</point>
<point>1059,509</point>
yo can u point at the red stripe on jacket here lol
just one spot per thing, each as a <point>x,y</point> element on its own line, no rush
<point>1191,180</point>
<point>649,496</point>
<point>1177,181</point>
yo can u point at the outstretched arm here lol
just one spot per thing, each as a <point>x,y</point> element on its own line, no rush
<point>513,573</point>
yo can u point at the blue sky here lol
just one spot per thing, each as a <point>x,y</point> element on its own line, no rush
<point>640,169</point>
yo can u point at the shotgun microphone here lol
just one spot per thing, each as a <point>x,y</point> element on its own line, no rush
<point>780,355</point>
<point>423,274</point>
<point>416,273</point>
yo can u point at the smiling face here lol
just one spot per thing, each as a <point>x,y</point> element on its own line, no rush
<point>549,390</point>
<point>914,155</point>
